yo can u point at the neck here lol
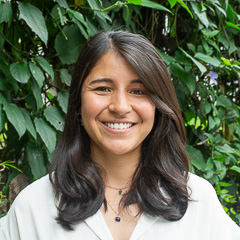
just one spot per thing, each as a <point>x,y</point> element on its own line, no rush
<point>118,169</point>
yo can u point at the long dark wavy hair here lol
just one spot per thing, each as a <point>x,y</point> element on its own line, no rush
<point>77,180</point>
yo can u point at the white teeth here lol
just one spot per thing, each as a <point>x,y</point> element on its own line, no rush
<point>118,125</point>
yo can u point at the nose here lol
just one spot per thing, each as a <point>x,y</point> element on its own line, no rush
<point>120,103</point>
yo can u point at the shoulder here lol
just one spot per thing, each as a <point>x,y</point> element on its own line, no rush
<point>207,210</point>
<point>38,192</point>
<point>203,195</point>
<point>34,208</point>
<point>200,187</point>
<point>193,180</point>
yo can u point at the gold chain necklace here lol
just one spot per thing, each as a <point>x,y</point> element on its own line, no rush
<point>119,189</point>
<point>117,218</point>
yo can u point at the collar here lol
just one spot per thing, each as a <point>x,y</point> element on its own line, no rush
<point>98,225</point>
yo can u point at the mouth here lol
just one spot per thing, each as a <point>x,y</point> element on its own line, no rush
<point>118,125</point>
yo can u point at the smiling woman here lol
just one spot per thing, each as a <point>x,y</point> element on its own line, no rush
<point>120,170</point>
<point>116,113</point>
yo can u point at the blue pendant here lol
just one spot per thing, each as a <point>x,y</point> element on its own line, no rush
<point>117,219</point>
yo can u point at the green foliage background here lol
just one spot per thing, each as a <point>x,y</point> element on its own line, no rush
<point>198,40</point>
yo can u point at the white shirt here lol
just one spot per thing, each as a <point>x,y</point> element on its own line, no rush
<point>32,217</point>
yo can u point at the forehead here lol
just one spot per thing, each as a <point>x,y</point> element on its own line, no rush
<point>112,66</point>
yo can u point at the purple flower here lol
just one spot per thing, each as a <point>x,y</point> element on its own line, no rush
<point>213,77</point>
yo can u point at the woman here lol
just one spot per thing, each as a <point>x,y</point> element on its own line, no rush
<point>120,170</point>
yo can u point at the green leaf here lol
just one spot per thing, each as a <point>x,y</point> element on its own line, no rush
<point>212,61</point>
<point>63,19</point>
<point>135,2</point>
<point>65,76</point>
<point>224,148</point>
<point>37,74</point>
<point>235,168</point>
<point>37,94</point>
<point>55,117</point>
<point>68,50</point>
<point>210,136</point>
<point>35,158</point>
<point>95,6</point>
<point>213,33</point>
<point>223,101</point>
<point>20,72</point>
<point>92,26</point>
<point>35,20</point>
<point>172,3</point>
<point>167,59</point>
<point>2,40</point>
<point>127,12</point>
<point>5,70</point>
<point>2,118</point>
<point>63,100</point>
<point>81,28</point>
<point>185,6</point>
<point>103,24</point>
<point>196,157</point>
<point>201,14</point>
<point>220,9</point>
<point>47,134</point>
<point>211,122</point>
<point>232,25</point>
<point>45,66</point>
<point>149,4</point>
<point>214,44</point>
<point>80,18</point>
<point>29,123</point>
<point>230,12</point>
<point>224,184</point>
<point>2,99</point>
<point>232,45</point>
<point>226,42</point>
<point>226,61</point>
<point>191,47</point>
<point>3,85</point>
<point>62,3</point>
<point>184,76</point>
<point>202,107</point>
<point>5,12</point>
<point>208,108</point>
<point>15,116</point>
<point>199,65</point>
<point>206,47</point>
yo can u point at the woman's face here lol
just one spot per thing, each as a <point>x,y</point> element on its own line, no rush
<point>116,111</point>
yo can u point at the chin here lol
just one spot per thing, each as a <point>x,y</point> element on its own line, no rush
<point>122,151</point>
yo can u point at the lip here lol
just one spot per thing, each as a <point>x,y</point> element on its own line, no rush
<point>118,131</point>
<point>118,121</point>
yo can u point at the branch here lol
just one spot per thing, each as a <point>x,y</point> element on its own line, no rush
<point>206,140</point>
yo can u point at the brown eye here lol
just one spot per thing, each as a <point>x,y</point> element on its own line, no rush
<point>102,89</point>
<point>137,92</point>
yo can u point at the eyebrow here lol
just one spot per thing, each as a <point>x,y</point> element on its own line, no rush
<point>108,80</point>
<point>101,80</point>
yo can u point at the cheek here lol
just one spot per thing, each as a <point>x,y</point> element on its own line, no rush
<point>91,106</point>
<point>87,108</point>
<point>148,113</point>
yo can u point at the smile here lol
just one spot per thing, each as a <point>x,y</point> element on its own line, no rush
<point>118,125</point>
